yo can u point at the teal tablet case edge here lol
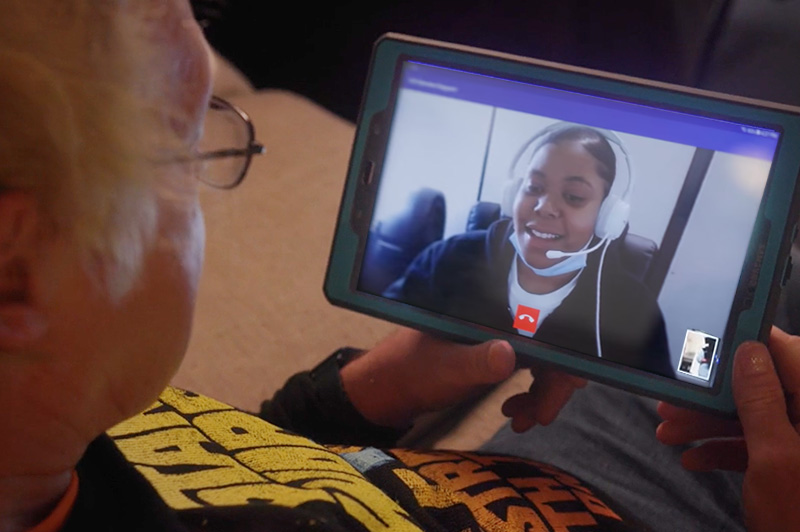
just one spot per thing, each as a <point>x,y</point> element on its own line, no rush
<point>776,215</point>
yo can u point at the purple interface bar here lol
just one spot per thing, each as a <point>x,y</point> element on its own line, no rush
<point>673,126</point>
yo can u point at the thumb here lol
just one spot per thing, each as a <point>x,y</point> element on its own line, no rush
<point>491,362</point>
<point>759,398</point>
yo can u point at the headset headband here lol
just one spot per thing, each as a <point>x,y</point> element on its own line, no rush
<point>612,218</point>
<point>609,135</point>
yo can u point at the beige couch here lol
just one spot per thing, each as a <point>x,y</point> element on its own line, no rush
<point>261,314</point>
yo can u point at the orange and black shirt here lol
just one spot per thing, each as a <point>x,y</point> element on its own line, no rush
<point>191,463</point>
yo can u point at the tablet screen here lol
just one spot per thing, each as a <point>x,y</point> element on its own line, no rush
<point>603,227</point>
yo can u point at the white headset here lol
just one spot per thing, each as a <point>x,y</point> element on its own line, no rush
<point>614,212</point>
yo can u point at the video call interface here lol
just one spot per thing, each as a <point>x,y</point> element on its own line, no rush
<point>464,162</point>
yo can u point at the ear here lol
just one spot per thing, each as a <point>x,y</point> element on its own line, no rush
<point>21,323</point>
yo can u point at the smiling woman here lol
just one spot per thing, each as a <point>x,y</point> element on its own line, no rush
<point>539,271</point>
<point>557,205</point>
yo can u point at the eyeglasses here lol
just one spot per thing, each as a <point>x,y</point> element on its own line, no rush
<point>227,145</point>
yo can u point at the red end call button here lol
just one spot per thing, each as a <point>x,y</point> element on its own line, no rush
<point>526,319</point>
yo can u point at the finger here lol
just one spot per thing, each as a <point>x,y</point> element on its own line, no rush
<point>670,412</point>
<point>701,428</point>
<point>759,398</point>
<point>548,394</point>
<point>488,363</point>
<point>575,381</point>
<point>522,414</point>
<point>551,391</point>
<point>785,350</point>
<point>514,404</point>
<point>682,425</point>
<point>730,455</point>
<point>456,372</point>
<point>524,411</point>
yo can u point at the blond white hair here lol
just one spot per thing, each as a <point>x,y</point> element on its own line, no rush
<point>86,123</point>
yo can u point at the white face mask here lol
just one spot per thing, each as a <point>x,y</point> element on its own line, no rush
<point>570,264</point>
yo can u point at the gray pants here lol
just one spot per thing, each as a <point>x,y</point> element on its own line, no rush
<point>606,437</point>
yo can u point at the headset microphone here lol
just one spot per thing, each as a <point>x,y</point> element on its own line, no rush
<point>556,254</point>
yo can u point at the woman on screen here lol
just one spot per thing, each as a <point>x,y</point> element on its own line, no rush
<point>539,270</point>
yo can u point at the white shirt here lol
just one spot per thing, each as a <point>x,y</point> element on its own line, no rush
<point>544,303</point>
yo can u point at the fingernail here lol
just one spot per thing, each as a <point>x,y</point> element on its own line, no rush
<point>660,432</point>
<point>754,359</point>
<point>501,358</point>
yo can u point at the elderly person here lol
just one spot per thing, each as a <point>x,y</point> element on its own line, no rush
<point>101,241</point>
<point>102,246</point>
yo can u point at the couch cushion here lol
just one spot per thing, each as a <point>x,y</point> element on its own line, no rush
<point>228,80</point>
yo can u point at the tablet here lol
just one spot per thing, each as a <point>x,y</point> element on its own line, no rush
<point>629,231</point>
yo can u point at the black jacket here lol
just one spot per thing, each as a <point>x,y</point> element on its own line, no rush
<point>191,463</point>
<point>466,276</point>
